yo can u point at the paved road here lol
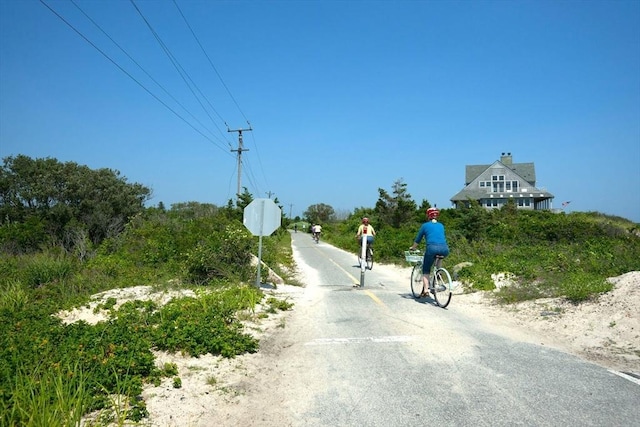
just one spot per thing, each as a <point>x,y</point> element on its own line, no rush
<point>377,357</point>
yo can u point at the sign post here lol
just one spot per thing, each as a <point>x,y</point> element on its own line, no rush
<point>261,217</point>
<point>363,258</point>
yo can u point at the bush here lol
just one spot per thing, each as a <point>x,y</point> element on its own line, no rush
<point>580,286</point>
<point>41,269</point>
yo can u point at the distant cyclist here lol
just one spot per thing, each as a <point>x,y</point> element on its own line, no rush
<point>365,229</point>
<point>317,229</point>
<point>434,234</point>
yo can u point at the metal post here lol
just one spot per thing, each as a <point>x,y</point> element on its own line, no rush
<point>258,280</point>
<point>363,258</point>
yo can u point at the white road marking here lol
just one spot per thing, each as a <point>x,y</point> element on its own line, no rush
<point>356,340</point>
<point>626,377</point>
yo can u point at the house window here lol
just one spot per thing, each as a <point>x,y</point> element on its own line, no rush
<point>507,186</point>
<point>497,183</point>
<point>488,203</point>
<point>481,184</point>
<point>514,186</point>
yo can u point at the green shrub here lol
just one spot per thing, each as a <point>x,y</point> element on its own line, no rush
<point>580,286</point>
<point>206,324</point>
<point>44,268</point>
<point>13,295</point>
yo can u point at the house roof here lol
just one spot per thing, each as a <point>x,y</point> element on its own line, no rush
<point>478,194</point>
<point>526,170</point>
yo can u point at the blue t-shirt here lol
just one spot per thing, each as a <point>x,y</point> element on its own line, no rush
<point>433,232</point>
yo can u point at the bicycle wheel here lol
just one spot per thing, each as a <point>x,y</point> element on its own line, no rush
<point>369,258</point>
<point>416,280</point>
<point>442,287</point>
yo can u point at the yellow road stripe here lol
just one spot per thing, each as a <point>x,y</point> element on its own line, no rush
<point>356,281</point>
<point>374,297</point>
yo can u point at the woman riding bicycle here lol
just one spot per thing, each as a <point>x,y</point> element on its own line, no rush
<point>365,229</point>
<point>434,234</point>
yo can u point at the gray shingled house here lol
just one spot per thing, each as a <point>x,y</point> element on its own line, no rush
<point>492,185</point>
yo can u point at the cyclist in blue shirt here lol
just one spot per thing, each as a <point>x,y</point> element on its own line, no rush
<point>433,233</point>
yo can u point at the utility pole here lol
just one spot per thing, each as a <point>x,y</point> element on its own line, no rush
<point>269,193</point>
<point>239,151</point>
<point>290,206</point>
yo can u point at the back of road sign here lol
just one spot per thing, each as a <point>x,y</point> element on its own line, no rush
<point>262,217</point>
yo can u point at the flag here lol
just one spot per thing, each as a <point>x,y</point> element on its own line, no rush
<point>565,203</point>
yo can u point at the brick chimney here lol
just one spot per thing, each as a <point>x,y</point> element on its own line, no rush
<point>506,159</point>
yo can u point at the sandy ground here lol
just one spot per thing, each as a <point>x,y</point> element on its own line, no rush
<point>229,392</point>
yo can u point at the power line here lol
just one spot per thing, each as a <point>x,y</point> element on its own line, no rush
<point>129,75</point>
<point>176,64</point>
<point>210,62</point>
<point>224,85</point>
<point>142,68</point>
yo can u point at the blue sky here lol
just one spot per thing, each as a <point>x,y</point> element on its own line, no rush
<point>344,97</point>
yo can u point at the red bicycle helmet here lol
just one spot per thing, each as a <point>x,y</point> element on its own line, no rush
<point>433,213</point>
<point>365,220</point>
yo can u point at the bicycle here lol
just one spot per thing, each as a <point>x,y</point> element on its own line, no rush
<point>368,257</point>
<point>440,284</point>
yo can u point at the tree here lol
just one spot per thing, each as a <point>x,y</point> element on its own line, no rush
<point>319,213</point>
<point>244,199</point>
<point>422,210</point>
<point>193,210</point>
<point>474,220</point>
<point>395,209</point>
<point>67,199</point>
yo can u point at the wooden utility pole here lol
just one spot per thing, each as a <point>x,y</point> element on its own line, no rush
<point>239,151</point>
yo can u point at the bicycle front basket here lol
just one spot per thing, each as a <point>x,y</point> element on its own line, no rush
<point>412,257</point>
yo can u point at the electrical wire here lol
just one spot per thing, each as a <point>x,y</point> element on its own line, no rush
<point>129,75</point>
<point>181,71</point>
<point>223,84</point>
<point>210,62</point>
<point>143,70</point>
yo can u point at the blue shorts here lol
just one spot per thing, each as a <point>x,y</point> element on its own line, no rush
<point>430,256</point>
<point>369,240</point>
